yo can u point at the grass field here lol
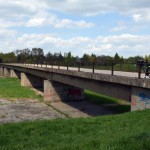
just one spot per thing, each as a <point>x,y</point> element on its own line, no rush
<point>128,131</point>
<point>11,88</point>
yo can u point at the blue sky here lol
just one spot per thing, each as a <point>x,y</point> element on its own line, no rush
<point>102,27</point>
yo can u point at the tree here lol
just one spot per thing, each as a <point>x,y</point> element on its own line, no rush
<point>85,60</point>
<point>116,58</point>
<point>134,59</point>
<point>1,57</point>
<point>8,57</point>
<point>92,59</point>
<point>38,55</point>
<point>60,58</point>
<point>68,59</point>
<point>147,58</point>
<point>49,57</point>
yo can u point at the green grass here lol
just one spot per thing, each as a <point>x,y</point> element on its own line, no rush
<point>125,67</point>
<point>128,131</point>
<point>11,88</point>
<point>101,99</point>
<point>120,106</point>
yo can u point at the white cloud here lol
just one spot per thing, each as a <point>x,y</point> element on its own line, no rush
<point>36,22</point>
<point>125,44</point>
<point>37,13</point>
<point>137,17</point>
<point>5,33</point>
<point>32,14</point>
<point>138,10</point>
<point>20,8</point>
<point>93,7</point>
<point>6,23</point>
<point>67,23</point>
<point>44,19</point>
<point>121,26</point>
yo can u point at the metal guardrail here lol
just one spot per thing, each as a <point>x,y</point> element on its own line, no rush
<point>111,67</point>
<point>124,67</point>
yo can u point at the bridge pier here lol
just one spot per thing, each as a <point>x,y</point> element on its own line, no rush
<point>28,80</point>
<point>6,72</point>
<point>1,71</point>
<point>140,99</point>
<point>55,91</point>
<point>15,74</point>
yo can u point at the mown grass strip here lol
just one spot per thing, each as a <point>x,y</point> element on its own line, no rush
<point>128,131</point>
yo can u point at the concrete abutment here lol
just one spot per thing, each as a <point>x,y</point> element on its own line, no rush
<point>15,74</point>
<point>1,71</point>
<point>6,72</point>
<point>28,80</point>
<point>140,99</point>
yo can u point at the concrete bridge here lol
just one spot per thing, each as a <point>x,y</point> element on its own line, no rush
<point>59,84</point>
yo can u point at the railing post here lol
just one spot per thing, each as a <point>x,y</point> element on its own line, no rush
<point>112,69</point>
<point>93,67</point>
<point>67,66</point>
<point>58,65</point>
<point>52,65</point>
<point>79,67</point>
<point>139,71</point>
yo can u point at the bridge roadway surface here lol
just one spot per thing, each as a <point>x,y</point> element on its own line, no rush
<point>108,72</point>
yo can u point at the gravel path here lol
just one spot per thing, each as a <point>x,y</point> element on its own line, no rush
<point>26,110</point>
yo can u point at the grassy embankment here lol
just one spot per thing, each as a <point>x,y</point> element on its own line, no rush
<point>11,88</point>
<point>128,131</point>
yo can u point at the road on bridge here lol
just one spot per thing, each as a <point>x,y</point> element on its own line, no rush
<point>117,73</point>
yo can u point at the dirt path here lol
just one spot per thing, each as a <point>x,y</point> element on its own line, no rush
<point>26,110</point>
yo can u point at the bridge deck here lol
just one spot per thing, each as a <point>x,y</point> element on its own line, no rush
<point>126,78</point>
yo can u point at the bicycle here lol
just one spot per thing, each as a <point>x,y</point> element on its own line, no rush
<point>145,66</point>
<point>147,73</point>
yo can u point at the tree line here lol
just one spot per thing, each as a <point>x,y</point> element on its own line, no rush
<point>37,56</point>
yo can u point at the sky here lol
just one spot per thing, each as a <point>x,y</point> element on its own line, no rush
<point>102,27</point>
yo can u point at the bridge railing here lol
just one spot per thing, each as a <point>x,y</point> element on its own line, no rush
<point>104,68</point>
